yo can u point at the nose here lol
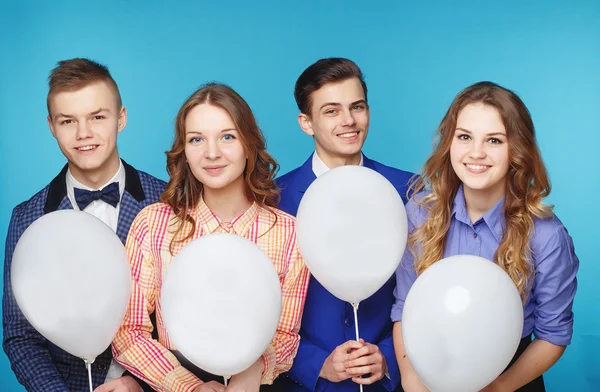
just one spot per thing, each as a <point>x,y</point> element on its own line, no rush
<point>348,119</point>
<point>213,151</point>
<point>477,151</point>
<point>83,130</point>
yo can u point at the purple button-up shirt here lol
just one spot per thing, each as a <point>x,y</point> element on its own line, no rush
<point>548,309</point>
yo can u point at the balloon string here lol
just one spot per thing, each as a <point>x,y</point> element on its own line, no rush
<point>355,307</point>
<point>89,369</point>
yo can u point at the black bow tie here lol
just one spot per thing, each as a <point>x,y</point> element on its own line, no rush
<point>110,194</point>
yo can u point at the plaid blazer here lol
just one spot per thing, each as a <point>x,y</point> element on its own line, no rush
<point>38,364</point>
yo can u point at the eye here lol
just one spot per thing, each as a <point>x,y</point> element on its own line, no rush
<point>98,117</point>
<point>67,121</point>
<point>330,111</point>
<point>228,137</point>
<point>358,107</point>
<point>195,139</point>
<point>494,140</point>
<point>463,136</point>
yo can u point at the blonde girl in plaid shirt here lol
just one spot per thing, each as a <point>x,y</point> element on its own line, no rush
<point>221,180</point>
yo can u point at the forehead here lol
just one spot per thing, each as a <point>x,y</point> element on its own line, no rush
<point>344,92</point>
<point>208,118</point>
<point>480,118</point>
<point>84,100</point>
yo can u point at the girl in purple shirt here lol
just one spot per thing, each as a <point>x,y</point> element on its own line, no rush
<point>481,194</point>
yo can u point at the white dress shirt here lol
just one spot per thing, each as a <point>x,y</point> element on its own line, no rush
<point>319,167</point>
<point>109,215</point>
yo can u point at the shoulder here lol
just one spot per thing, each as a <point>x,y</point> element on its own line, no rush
<point>280,223</point>
<point>289,178</point>
<point>548,235</point>
<point>30,210</point>
<point>396,176</point>
<point>151,183</point>
<point>400,179</point>
<point>284,217</point>
<point>156,214</point>
<point>415,212</point>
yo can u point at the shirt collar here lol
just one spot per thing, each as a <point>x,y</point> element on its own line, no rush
<point>319,167</point>
<point>72,182</point>
<point>494,218</point>
<point>240,225</point>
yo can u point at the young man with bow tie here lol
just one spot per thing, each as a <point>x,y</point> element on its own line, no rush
<point>332,97</point>
<point>85,115</point>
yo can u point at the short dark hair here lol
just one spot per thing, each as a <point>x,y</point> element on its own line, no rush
<point>77,73</point>
<point>328,70</point>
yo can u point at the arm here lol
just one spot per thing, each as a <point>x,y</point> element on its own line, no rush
<point>410,381</point>
<point>133,345</point>
<point>405,277</point>
<point>279,356</point>
<point>538,357</point>
<point>26,349</point>
<point>554,288</point>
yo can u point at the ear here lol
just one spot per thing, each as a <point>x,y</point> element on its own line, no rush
<point>122,122</point>
<point>51,126</point>
<point>306,124</point>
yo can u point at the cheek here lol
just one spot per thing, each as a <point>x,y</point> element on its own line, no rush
<point>456,154</point>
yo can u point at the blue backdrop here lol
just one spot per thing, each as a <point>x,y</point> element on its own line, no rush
<point>415,57</point>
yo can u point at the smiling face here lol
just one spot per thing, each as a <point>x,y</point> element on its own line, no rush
<point>213,149</point>
<point>339,121</point>
<point>479,150</point>
<point>85,123</point>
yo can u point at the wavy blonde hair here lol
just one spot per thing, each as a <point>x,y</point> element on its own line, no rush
<point>183,190</point>
<point>527,185</point>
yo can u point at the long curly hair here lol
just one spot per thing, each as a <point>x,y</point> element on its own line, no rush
<point>184,191</point>
<point>527,184</point>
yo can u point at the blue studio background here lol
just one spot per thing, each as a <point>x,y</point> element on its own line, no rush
<point>416,58</point>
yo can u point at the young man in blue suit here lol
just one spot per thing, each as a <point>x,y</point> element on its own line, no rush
<point>85,114</point>
<point>332,97</point>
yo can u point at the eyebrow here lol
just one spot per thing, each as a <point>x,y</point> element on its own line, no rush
<point>337,104</point>
<point>222,131</point>
<point>488,134</point>
<point>99,110</point>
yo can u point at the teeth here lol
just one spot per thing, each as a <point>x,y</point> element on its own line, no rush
<point>477,167</point>
<point>86,148</point>
<point>349,134</point>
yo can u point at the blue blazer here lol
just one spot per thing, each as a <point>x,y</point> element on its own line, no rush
<point>38,364</point>
<point>328,321</point>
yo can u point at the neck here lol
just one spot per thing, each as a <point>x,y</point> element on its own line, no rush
<point>479,202</point>
<point>95,178</point>
<point>227,203</point>
<point>333,161</point>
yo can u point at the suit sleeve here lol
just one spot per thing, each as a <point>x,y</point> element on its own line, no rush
<point>27,350</point>
<point>386,346</point>
<point>307,366</point>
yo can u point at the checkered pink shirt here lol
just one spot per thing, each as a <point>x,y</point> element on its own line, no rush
<point>148,247</point>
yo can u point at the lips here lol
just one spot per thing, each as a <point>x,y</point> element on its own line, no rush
<point>214,169</point>
<point>477,168</point>
<point>350,135</point>
<point>89,147</point>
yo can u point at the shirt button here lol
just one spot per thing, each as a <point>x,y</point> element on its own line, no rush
<point>474,235</point>
<point>349,322</point>
<point>102,367</point>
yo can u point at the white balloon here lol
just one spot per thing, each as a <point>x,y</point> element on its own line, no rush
<point>221,303</point>
<point>461,324</point>
<point>352,231</point>
<point>71,279</point>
